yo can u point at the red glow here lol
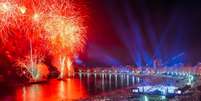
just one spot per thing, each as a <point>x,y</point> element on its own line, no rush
<point>41,28</point>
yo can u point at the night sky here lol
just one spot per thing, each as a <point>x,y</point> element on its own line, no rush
<point>136,32</point>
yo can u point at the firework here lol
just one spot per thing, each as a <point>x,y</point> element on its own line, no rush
<point>33,63</point>
<point>36,69</point>
<point>53,27</point>
<point>66,35</point>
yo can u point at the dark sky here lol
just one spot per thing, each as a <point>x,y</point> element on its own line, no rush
<point>127,31</point>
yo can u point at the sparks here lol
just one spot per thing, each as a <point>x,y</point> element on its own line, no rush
<point>5,7</point>
<point>22,9</point>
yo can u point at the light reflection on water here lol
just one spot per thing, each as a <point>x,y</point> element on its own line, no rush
<point>55,90</point>
<point>69,89</point>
